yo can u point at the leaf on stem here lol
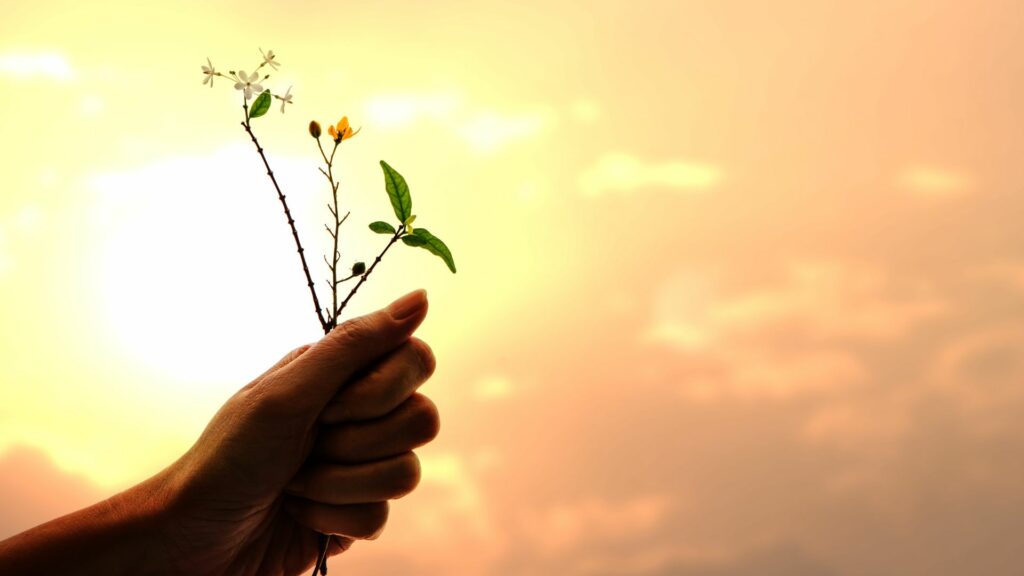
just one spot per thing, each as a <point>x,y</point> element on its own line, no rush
<point>398,192</point>
<point>413,240</point>
<point>421,238</point>
<point>382,227</point>
<point>261,105</point>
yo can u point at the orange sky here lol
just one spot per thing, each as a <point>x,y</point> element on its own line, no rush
<point>740,289</point>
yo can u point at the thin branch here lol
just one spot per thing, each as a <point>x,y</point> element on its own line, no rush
<point>288,215</point>
<point>347,278</point>
<point>321,560</point>
<point>398,234</point>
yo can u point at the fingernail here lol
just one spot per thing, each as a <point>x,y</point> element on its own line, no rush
<point>408,305</point>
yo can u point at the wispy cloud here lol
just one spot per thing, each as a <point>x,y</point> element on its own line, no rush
<point>400,110</point>
<point>484,129</point>
<point>619,172</point>
<point>487,131</point>
<point>566,526</point>
<point>789,337</point>
<point>934,181</point>
<point>27,65</point>
<point>493,388</point>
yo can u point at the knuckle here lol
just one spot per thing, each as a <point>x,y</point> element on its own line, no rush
<point>298,352</point>
<point>425,421</point>
<point>427,360</point>
<point>355,329</point>
<point>405,475</point>
<point>375,517</point>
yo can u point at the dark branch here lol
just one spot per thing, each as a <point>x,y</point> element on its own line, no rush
<point>288,215</point>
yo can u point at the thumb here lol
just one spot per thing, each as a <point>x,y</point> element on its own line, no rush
<point>311,380</point>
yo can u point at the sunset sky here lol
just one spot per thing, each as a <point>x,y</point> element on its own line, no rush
<point>740,287</point>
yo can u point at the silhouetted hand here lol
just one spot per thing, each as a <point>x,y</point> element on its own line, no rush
<point>318,443</point>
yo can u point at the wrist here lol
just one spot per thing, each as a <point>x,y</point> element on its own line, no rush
<point>143,515</point>
<point>123,534</point>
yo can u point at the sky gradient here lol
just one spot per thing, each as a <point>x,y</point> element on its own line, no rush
<point>740,288</point>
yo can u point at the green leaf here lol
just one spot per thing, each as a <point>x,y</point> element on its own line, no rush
<point>261,105</point>
<point>424,239</point>
<point>382,227</point>
<point>415,241</point>
<point>398,192</point>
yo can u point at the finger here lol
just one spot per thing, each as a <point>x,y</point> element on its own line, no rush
<point>410,426</point>
<point>383,387</point>
<point>313,378</point>
<point>359,483</point>
<point>352,521</point>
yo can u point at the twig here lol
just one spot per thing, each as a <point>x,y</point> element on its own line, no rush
<point>398,234</point>
<point>291,222</point>
<point>332,319</point>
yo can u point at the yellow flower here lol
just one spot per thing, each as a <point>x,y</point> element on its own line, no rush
<point>343,131</point>
<point>408,223</point>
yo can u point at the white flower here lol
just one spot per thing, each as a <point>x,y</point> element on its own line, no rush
<point>247,83</point>
<point>209,72</point>
<point>268,59</point>
<point>286,99</point>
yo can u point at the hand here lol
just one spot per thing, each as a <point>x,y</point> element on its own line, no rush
<point>318,443</point>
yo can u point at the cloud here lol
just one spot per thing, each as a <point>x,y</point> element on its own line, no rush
<point>28,65</point>
<point>563,527</point>
<point>792,336</point>
<point>493,388</point>
<point>487,131</point>
<point>934,182</point>
<point>33,490</point>
<point>484,130</point>
<point>400,110</point>
<point>824,300</point>
<point>625,173</point>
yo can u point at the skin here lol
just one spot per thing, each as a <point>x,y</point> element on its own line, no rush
<point>318,443</point>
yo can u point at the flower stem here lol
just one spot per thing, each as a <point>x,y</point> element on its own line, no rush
<point>288,214</point>
<point>332,319</point>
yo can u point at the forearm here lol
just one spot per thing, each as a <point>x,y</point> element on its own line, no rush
<point>121,535</point>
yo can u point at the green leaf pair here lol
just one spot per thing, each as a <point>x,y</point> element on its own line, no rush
<point>401,202</point>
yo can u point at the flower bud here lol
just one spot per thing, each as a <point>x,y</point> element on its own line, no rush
<point>314,129</point>
<point>358,268</point>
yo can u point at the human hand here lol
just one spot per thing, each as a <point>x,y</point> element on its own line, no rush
<point>317,444</point>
